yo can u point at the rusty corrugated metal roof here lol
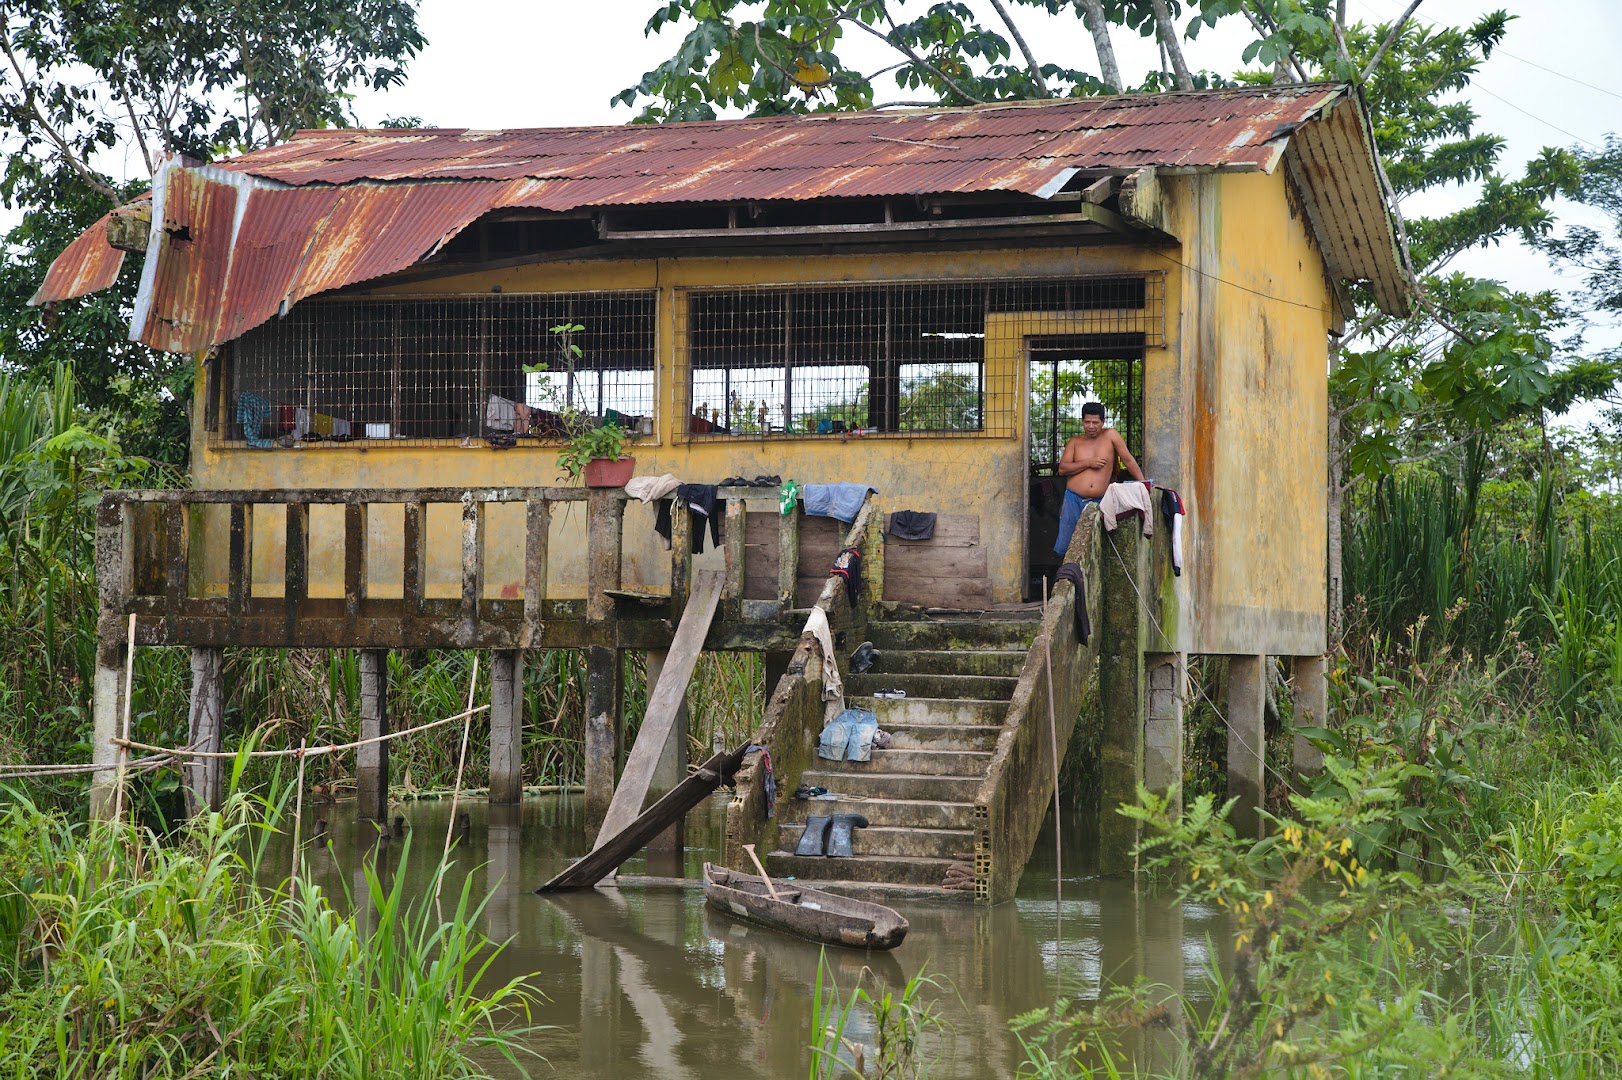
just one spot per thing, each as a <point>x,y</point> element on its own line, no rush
<point>1009,147</point>
<point>242,238</point>
<point>87,265</point>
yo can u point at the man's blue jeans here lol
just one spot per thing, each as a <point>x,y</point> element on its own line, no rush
<point>1068,517</point>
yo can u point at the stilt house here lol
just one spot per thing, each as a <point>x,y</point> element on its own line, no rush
<point>384,322</point>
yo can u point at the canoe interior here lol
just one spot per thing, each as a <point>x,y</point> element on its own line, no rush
<point>798,909</point>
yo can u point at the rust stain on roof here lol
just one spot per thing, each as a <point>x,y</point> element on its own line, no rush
<point>247,236</point>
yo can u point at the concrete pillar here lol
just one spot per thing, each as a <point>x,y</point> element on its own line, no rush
<point>1124,572</point>
<point>665,850</point>
<point>603,700</point>
<point>1247,742</point>
<point>203,775</point>
<point>506,725</point>
<point>107,710</point>
<point>1163,726</point>
<point>1311,710</point>
<point>372,759</point>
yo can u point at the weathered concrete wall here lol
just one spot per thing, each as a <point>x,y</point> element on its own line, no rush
<point>1257,313</point>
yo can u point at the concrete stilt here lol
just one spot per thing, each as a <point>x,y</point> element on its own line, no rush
<point>667,847</point>
<point>1311,710</point>
<point>107,708</point>
<point>1163,729</point>
<point>603,698</point>
<point>506,725</point>
<point>203,775</point>
<point>1247,741</point>
<point>372,759</point>
<point>1120,694</point>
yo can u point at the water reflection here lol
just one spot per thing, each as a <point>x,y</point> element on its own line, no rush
<point>650,983</point>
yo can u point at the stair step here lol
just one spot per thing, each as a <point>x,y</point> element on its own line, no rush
<point>903,634</point>
<point>943,736</point>
<point>881,813</point>
<point>914,763</point>
<point>877,786</point>
<point>897,869</point>
<point>1003,662</point>
<point>892,841</point>
<point>894,712</point>
<point>977,687</point>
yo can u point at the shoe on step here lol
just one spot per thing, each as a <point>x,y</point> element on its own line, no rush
<point>814,836</point>
<point>839,834</point>
<point>862,659</point>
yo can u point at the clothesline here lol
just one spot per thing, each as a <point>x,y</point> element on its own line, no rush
<point>298,751</point>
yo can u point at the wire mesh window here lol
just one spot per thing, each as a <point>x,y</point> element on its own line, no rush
<point>442,370</point>
<point>894,358</point>
<point>1067,373</point>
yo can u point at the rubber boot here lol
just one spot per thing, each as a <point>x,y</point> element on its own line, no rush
<point>814,836</point>
<point>839,834</point>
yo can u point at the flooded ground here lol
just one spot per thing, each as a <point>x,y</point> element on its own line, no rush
<point>651,983</point>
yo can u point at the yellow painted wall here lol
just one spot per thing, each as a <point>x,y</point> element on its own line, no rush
<point>955,474</point>
<point>1255,400</point>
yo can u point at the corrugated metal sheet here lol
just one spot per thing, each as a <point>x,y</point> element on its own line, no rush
<point>87,265</point>
<point>333,208</point>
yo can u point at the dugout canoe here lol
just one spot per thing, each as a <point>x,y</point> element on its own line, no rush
<point>805,912</point>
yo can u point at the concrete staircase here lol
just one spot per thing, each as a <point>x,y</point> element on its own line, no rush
<point>918,795</point>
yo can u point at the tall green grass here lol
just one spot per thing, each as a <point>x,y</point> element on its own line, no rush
<point>122,956</point>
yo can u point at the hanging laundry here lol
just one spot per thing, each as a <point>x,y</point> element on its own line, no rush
<point>1071,572</point>
<point>833,688</point>
<point>649,488</point>
<point>1172,509</point>
<point>849,567</point>
<point>788,496</point>
<point>769,783</point>
<point>1124,499</point>
<point>702,506</point>
<point>912,525</point>
<point>842,501</point>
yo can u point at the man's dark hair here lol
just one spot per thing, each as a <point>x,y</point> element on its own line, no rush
<point>1093,408</point>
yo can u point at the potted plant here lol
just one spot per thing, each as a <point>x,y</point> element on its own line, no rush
<point>597,455</point>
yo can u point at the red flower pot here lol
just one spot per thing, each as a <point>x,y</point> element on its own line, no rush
<point>606,473</point>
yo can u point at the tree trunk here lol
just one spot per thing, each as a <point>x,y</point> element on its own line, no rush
<point>1108,69</point>
<point>1168,41</point>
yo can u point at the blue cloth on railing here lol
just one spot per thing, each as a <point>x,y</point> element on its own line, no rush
<point>842,501</point>
<point>849,736</point>
<point>769,782</point>
<point>252,412</point>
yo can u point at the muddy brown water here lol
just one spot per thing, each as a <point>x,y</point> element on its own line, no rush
<point>652,983</point>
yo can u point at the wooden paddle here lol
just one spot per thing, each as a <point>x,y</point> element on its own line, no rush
<point>750,849</point>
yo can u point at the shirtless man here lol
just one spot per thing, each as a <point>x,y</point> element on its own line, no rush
<point>1088,465</point>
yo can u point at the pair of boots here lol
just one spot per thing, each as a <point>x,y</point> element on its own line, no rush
<point>829,834</point>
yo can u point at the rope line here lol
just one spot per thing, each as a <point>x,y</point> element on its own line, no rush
<point>1143,606</point>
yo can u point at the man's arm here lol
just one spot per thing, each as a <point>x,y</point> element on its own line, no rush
<point>1069,465</point>
<point>1125,455</point>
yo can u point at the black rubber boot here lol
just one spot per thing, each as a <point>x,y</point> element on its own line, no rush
<point>862,659</point>
<point>814,836</point>
<point>839,834</point>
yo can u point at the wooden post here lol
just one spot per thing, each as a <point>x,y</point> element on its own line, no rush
<point>671,770</point>
<point>240,587</point>
<point>1247,742</point>
<point>297,581</point>
<point>203,775</point>
<point>115,575</point>
<point>788,560</point>
<point>472,564</point>
<point>177,573</point>
<point>537,541</point>
<point>372,759</point>
<point>506,725</point>
<point>733,538</point>
<point>603,705</point>
<point>414,574</point>
<point>681,558</point>
<point>355,518</point>
<point>1124,571</point>
<point>1311,710</point>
